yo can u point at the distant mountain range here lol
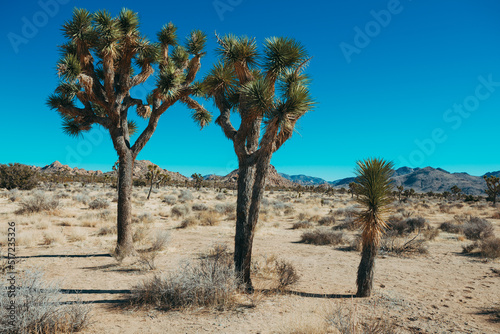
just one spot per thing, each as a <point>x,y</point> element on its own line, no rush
<point>420,179</point>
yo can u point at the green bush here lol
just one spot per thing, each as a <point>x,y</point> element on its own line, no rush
<point>17,176</point>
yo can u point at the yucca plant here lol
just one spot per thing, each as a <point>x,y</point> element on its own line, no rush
<point>103,59</point>
<point>375,188</point>
<point>270,93</point>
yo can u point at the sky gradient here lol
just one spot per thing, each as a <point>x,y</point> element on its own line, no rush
<point>413,81</point>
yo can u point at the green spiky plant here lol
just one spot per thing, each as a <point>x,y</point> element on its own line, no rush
<point>269,94</point>
<point>492,187</point>
<point>375,188</point>
<point>103,59</point>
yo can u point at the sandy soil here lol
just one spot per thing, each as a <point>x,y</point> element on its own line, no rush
<point>443,291</point>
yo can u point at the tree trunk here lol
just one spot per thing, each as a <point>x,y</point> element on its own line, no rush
<point>243,233</point>
<point>150,188</point>
<point>365,270</point>
<point>125,245</point>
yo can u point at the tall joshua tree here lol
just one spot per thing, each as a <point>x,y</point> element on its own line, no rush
<point>375,188</point>
<point>493,187</point>
<point>269,96</point>
<point>103,59</point>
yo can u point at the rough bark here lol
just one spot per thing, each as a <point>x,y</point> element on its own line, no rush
<point>365,270</point>
<point>125,245</point>
<point>251,187</point>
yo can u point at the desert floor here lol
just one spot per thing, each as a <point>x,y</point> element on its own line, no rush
<point>442,291</point>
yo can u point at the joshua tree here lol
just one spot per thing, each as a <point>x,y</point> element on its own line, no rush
<point>373,177</point>
<point>455,190</point>
<point>154,176</point>
<point>493,185</point>
<point>198,179</point>
<point>102,60</point>
<point>400,191</point>
<point>270,94</point>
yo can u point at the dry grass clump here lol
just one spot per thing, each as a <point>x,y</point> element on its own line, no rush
<point>488,248</point>
<point>477,229</point>
<point>99,203</point>
<point>199,207</point>
<point>393,244</point>
<point>27,238</point>
<point>220,197</point>
<point>39,308</point>
<point>210,282</point>
<point>189,222</point>
<point>345,321</point>
<point>77,235</point>
<point>204,218</point>
<point>38,202</point>
<point>349,224</point>
<point>147,257</point>
<point>52,237</point>
<point>107,230</point>
<point>406,226</point>
<point>282,272</point>
<point>180,210</point>
<point>225,208</point>
<point>169,199</point>
<point>451,227</point>
<point>302,224</point>
<point>323,237</point>
<point>14,195</point>
<point>144,218</point>
<point>82,198</point>
<point>326,221</point>
<point>185,196</point>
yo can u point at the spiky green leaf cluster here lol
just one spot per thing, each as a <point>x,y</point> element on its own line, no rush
<point>68,68</point>
<point>129,23</point>
<point>180,56</point>
<point>80,27</point>
<point>238,49</point>
<point>167,35</point>
<point>201,117</point>
<point>281,53</point>
<point>196,42</point>
<point>109,31</point>
<point>169,81</point>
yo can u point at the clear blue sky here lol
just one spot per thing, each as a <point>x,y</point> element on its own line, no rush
<point>420,86</point>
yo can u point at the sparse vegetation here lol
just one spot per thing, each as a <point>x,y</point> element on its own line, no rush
<point>323,237</point>
<point>38,202</point>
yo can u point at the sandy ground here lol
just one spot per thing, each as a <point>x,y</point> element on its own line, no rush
<point>443,291</point>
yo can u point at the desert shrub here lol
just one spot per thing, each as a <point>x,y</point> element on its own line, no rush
<point>140,234</point>
<point>37,203</point>
<point>349,224</point>
<point>279,206</point>
<point>99,203</point>
<point>40,308</point>
<point>344,319</point>
<point>185,196</point>
<point>199,207</point>
<point>13,195</point>
<point>289,210</point>
<point>189,222</point>
<point>180,210</point>
<point>327,221</point>
<point>220,197</point>
<point>490,248</point>
<point>139,183</point>
<point>451,227</point>
<point>209,218</point>
<point>406,226</point>
<point>106,230</point>
<point>287,274</point>
<point>356,243</point>
<point>169,199</point>
<point>302,224</point>
<point>477,228</point>
<point>145,218</point>
<point>82,198</point>
<point>323,237</point>
<point>430,233</point>
<point>210,282</point>
<point>160,241</point>
<point>401,246</point>
<point>467,249</point>
<point>17,176</point>
<point>225,208</point>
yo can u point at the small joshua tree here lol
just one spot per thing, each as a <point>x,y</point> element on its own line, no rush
<point>198,179</point>
<point>103,59</point>
<point>373,177</point>
<point>493,187</point>
<point>455,190</point>
<point>270,95</point>
<point>154,176</point>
